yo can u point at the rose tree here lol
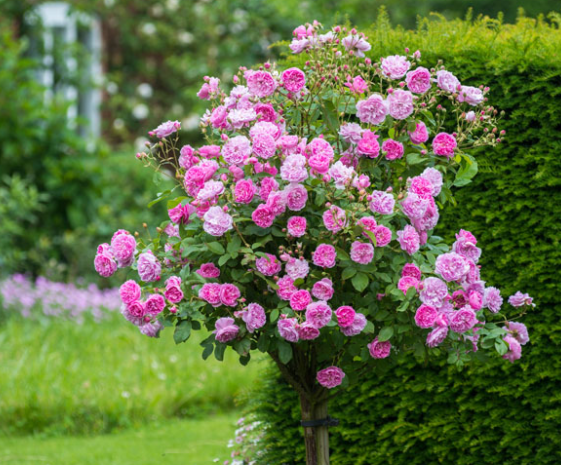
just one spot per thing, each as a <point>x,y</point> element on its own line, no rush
<point>302,228</point>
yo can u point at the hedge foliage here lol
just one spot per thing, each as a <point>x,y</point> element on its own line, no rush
<point>498,412</point>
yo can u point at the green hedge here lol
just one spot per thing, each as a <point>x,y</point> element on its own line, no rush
<point>497,413</point>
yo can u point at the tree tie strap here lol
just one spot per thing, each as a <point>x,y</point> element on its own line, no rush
<point>317,423</point>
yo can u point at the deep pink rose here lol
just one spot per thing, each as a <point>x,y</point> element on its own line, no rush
<point>269,265</point>
<point>425,316</point>
<point>129,291</point>
<point>208,270</point>
<point>288,329</point>
<point>254,317</point>
<point>362,253</point>
<point>324,256</point>
<point>406,282</point>
<point>369,145</point>
<point>379,349</point>
<point>244,191</point>
<point>308,331</point>
<point>318,314</point>
<point>323,289</point>
<point>419,80</point>
<point>330,377</point>
<point>420,135</point>
<point>299,300</point>
<point>154,304</point>
<point>294,79</point>
<point>226,330</point>
<point>444,144</point>
<point>210,292</point>
<point>393,149</point>
<point>296,226</point>
<point>229,294</point>
<point>345,316</point>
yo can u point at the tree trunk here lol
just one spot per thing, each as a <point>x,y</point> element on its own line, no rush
<point>316,438</point>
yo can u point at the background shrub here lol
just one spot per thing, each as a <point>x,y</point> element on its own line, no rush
<point>410,413</point>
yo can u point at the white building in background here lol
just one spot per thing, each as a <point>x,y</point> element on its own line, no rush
<point>61,25</point>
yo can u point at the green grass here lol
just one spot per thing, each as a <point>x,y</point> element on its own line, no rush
<point>175,442</point>
<point>58,377</point>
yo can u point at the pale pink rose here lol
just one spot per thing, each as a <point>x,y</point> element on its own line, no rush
<point>269,265</point>
<point>217,221</point>
<point>362,253</point>
<point>297,268</point>
<point>334,219</point>
<point>219,118</point>
<point>260,83</point>
<point>351,132</point>
<point>298,46</point>
<point>166,129</point>
<point>264,145</point>
<point>151,328</point>
<point>186,157</point>
<point>471,95</point>
<point>368,223</point>
<point>324,256</point>
<point>208,270</point>
<point>294,79</point>
<point>263,216</point>
<point>471,116</point>
<point>301,32</point>
<point>155,304</point>
<point>405,282</point>
<point>463,320</point>
<point>361,182</point>
<point>425,316</point>
<point>382,202</point>
<point>518,331</point>
<point>318,314</point>
<point>293,168</point>
<point>268,185</point>
<point>254,317</point>
<point>211,190</point>
<point>444,144</point>
<point>519,300</point>
<point>210,151</point>
<point>408,239</point>
<point>410,269</point>
<point>359,323</point>
<point>379,349</point>
<point>264,127</point>
<point>400,104</point>
<point>323,289</point>
<point>123,247</point>
<point>395,66</point>
<point>229,294</point>
<point>393,149</point>
<point>437,336</point>
<point>357,85</point>
<point>244,191</point>
<point>492,299</point>
<point>373,110</point>
<point>420,135</point>
<point>104,262</point>
<point>426,222</point>
<point>356,44</point>
<point>369,145</point>
<point>300,300</point>
<point>149,268</point>
<point>296,197</point>
<point>383,235</point>
<point>433,292</point>
<point>296,226</point>
<point>330,377</point>
<point>514,349</point>
<point>419,80</point>
<point>435,178</point>
<point>288,329</point>
<point>240,118</point>
<point>341,175</point>
<point>307,331</point>
<point>465,245</point>
<point>276,202</point>
<point>210,292</point>
<point>414,206</point>
<point>447,81</point>
<point>345,316</point>
<point>129,291</point>
<point>226,330</point>
<point>236,150</point>
<point>286,288</point>
<point>451,266</point>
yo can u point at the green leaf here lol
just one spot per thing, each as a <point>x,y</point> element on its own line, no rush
<point>216,247</point>
<point>219,351</point>
<point>371,235</point>
<point>360,281</point>
<point>182,331</point>
<point>223,259</point>
<point>348,272</point>
<point>501,347</point>
<point>274,315</point>
<point>415,158</point>
<point>369,328</point>
<point>341,254</point>
<point>285,351</point>
<point>468,169</point>
<point>385,333</point>
<point>234,245</point>
<point>207,352</point>
<point>242,347</point>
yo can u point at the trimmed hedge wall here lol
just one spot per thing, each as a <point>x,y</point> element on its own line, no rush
<point>497,413</point>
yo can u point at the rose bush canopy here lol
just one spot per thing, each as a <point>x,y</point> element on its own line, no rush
<point>303,228</point>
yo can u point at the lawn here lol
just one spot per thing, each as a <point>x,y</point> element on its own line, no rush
<point>174,442</point>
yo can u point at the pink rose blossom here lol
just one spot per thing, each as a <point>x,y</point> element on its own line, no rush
<point>237,150</point>
<point>437,336</point>
<point>361,182</point>
<point>288,144</point>
<point>419,80</point>
<point>226,330</point>
<point>409,239</point>
<point>357,85</point>
<point>447,81</point>
<point>210,292</point>
<point>406,282</point>
<point>288,329</point>
<point>451,266</point>
<point>421,186</point>
<point>334,219</point>
<point>104,261</point>
<point>359,323</point>
<point>379,349</point>
<point>260,83</point>
<point>383,235</point>
<point>323,289</point>
<point>265,112</point>
<point>492,299</point>
<point>254,317</point>
<point>294,79</point>
<point>173,294</point>
<point>297,268</point>
<point>300,300</point>
<point>382,202</point>
<point>262,216</point>
<point>166,129</point>
<point>362,253</point>
<point>134,312</point>
<point>369,145</point>
<point>425,316</point>
<point>400,104</point>
<point>219,118</point>
<point>293,168</point>
<point>186,157</point>
<point>519,300</point>
<point>414,206</point>
<point>345,316</point>
<point>180,214</point>
<point>151,329</point>
<point>208,270</point>
<point>268,185</point>
<point>129,291</point>
<point>211,190</point>
<point>308,331</point>
<point>276,202</point>
<point>433,292</point>
<point>355,43</point>
<point>264,127</point>
<point>286,288</point>
<point>426,222</point>
<point>210,151</point>
<point>244,191</point>
<point>217,221</point>
<point>463,320</point>
<point>296,197</point>
<point>410,269</point>
<point>296,226</point>
<point>444,144</point>
<point>420,135</point>
<point>264,145</point>
<point>373,110</point>
<point>324,256</point>
<point>514,349</point>
<point>318,314</point>
<point>149,268</point>
<point>229,294</point>
<point>154,304</point>
<point>240,118</point>
<point>395,66</point>
<point>342,175</point>
<point>269,265</point>
<point>435,178</point>
<point>393,149</point>
<point>471,95</point>
<point>351,133</point>
<point>475,300</point>
<point>518,331</point>
<point>330,377</point>
<point>368,223</point>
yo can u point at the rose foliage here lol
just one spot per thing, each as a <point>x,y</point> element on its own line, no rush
<point>303,227</point>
